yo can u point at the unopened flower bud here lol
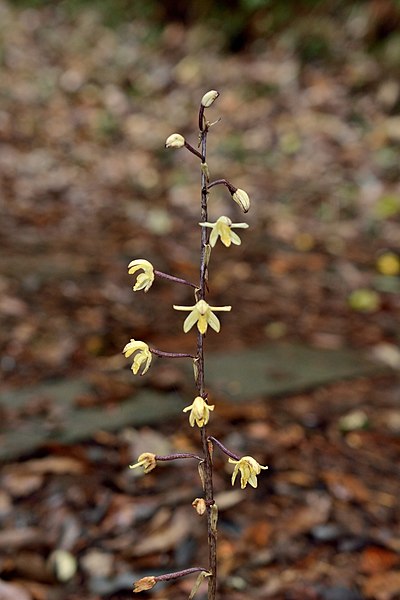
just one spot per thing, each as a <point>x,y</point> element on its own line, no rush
<point>146,583</point>
<point>242,198</point>
<point>209,98</point>
<point>175,140</point>
<point>199,504</point>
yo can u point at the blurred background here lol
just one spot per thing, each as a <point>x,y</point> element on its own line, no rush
<point>310,128</point>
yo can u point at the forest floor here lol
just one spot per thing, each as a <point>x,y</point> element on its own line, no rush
<point>85,187</point>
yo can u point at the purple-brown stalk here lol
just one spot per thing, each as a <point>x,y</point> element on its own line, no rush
<point>148,460</point>
<point>208,470</point>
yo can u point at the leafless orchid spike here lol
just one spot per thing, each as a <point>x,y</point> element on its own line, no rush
<point>201,317</point>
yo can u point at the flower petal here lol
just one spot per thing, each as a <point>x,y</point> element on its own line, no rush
<point>235,472</point>
<point>190,320</point>
<point>213,237</point>
<point>213,321</point>
<point>235,239</point>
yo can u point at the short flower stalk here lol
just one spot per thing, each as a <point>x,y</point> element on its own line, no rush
<point>201,316</point>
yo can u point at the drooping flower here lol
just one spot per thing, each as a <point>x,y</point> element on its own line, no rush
<point>223,228</point>
<point>143,355</point>
<point>202,314</point>
<point>147,460</point>
<point>242,198</point>
<point>200,506</point>
<point>175,140</point>
<point>249,469</point>
<point>144,280</point>
<point>146,583</point>
<point>209,98</point>
<point>199,412</point>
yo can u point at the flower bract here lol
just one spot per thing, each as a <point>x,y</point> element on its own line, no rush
<point>199,412</point>
<point>223,228</point>
<point>147,460</point>
<point>175,140</point>
<point>249,469</point>
<point>143,355</point>
<point>202,314</point>
<point>144,280</point>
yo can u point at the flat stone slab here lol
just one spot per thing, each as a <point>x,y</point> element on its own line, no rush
<point>267,371</point>
<point>281,368</point>
<point>73,423</point>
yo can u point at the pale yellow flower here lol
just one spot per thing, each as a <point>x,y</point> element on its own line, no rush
<point>249,469</point>
<point>147,460</point>
<point>201,313</point>
<point>200,506</point>
<point>144,280</point>
<point>223,228</point>
<point>199,412</point>
<point>175,140</point>
<point>143,355</point>
<point>242,198</point>
<point>209,98</point>
<point>146,583</point>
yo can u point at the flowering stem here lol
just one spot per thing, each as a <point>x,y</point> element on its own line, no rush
<point>201,118</point>
<point>225,182</point>
<point>194,151</point>
<point>178,574</point>
<point>173,278</point>
<point>178,456</point>
<point>223,448</point>
<point>162,354</point>
<point>208,473</point>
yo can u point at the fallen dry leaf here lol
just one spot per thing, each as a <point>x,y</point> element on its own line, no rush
<point>346,487</point>
<point>383,586</point>
<point>168,538</point>
<point>10,591</point>
<point>376,559</point>
<point>20,484</point>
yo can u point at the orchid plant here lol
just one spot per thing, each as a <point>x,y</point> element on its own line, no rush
<point>201,314</point>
